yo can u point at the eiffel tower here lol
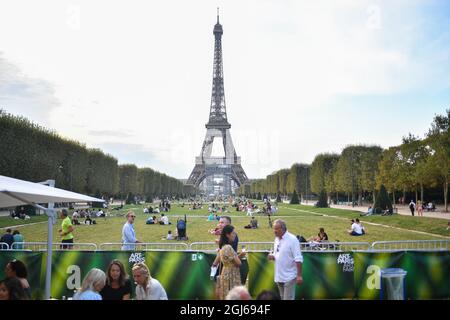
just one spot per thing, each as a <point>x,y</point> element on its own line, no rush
<point>228,167</point>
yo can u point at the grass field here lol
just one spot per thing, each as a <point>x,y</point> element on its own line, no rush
<point>302,220</point>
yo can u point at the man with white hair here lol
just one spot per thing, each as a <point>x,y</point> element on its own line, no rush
<point>147,288</point>
<point>288,260</point>
<point>238,293</point>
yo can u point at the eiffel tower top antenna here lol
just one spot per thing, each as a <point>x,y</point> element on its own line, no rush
<point>217,15</point>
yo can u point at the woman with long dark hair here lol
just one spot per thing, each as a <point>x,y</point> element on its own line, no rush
<point>118,284</point>
<point>230,276</point>
<point>11,289</point>
<point>17,269</point>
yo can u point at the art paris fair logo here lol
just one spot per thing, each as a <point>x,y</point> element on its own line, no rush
<point>347,261</point>
<point>136,257</point>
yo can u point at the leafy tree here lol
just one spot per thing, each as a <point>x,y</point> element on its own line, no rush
<point>278,197</point>
<point>294,199</point>
<point>382,201</point>
<point>388,171</point>
<point>438,143</point>
<point>323,199</point>
<point>322,173</point>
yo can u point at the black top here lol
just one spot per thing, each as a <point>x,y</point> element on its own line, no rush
<point>109,293</point>
<point>235,243</point>
<point>7,238</point>
<point>324,237</point>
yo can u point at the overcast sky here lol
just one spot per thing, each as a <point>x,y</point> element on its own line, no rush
<point>133,78</point>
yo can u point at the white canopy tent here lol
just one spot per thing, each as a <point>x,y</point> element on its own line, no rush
<point>15,192</point>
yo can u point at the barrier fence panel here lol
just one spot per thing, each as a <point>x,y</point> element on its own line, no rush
<point>203,246</point>
<point>4,246</point>
<point>304,246</point>
<point>257,246</point>
<point>426,245</point>
<point>335,246</point>
<point>42,246</point>
<point>146,246</point>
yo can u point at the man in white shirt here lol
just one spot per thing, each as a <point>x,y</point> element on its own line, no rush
<point>147,288</point>
<point>288,260</point>
<point>128,233</point>
<point>356,229</point>
<point>164,219</point>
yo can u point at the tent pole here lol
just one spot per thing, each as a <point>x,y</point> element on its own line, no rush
<point>48,274</point>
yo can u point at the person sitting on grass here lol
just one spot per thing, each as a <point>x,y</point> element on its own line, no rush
<point>369,212</point>
<point>356,229</point>
<point>164,219</point>
<point>253,224</point>
<point>211,217</point>
<point>362,227</point>
<point>75,217</point>
<point>169,235</point>
<point>150,221</point>
<point>321,236</point>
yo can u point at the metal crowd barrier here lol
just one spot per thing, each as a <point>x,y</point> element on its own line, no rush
<point>249,246</point>
<point>4,246</point>
<point>425,245</point>
<point>42,246</point>
<point>149,246</point>
<point>203,246</point>
<point>335,246</point>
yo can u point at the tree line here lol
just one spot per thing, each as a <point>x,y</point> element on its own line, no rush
<point>33,153</point>
<point>361,170</point>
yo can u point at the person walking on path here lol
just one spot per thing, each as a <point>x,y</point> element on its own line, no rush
<point>412,207</point>
<point>288,260</point>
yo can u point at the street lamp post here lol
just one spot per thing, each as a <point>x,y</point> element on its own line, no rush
<point>306,184</point>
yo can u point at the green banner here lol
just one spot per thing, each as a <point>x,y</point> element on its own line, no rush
<point>367,272</point>
<point>428,275</point>
<point>185,275</point>
<point>326,275</point>
<point>70,267</point>
<point>33,262</point>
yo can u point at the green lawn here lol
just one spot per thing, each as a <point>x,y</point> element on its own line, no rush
<point>9,222</point>
<point>304,222</point>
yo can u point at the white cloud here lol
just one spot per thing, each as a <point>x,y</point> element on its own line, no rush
<point>144,69</point>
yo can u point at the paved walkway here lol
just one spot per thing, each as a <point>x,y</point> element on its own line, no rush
<point>402,209</point>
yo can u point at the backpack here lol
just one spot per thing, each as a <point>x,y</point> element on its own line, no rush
<point>411,205</point>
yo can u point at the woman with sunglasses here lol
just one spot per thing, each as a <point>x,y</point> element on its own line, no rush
<point>118,284</point>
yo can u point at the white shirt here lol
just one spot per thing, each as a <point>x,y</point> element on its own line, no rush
<point>128,236</point>
<point>357,228</point>
<point>287,253</point>
<point>154,291</point>
<point>165,219</point>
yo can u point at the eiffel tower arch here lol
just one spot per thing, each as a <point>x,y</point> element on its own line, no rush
<point>208,167</point>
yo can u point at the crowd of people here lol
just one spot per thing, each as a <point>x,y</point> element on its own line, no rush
<point>229,269</point>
